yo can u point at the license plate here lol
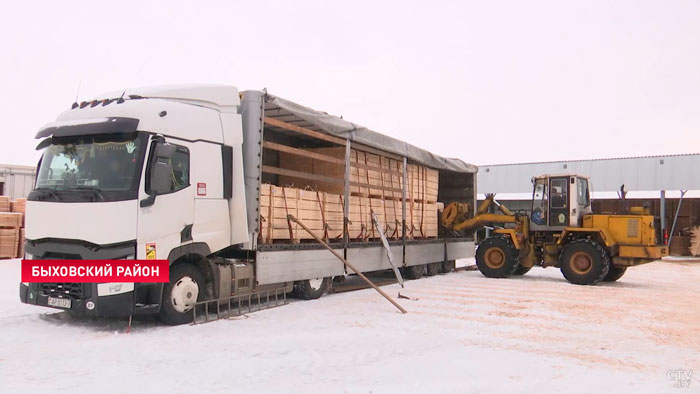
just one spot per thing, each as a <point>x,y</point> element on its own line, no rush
<point>59,302</point>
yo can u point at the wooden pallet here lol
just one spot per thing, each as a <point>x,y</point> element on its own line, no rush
<point>9,241</point>
<point>370,174</point>
<point>322,212</point>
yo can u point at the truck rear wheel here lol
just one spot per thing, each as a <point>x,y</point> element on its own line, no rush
<point>311,289</point>
<point>414,271</point>
<point>447,266</point>
<point>433,269</point>
<point>496,257</point>
<point>186,287</point>
<point>584,262</point>
<point>614,274</point>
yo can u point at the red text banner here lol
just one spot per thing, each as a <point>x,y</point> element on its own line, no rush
<point>95,271</point>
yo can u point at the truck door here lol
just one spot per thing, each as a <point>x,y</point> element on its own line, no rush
<point>559,201</point>
<point>166,222</point>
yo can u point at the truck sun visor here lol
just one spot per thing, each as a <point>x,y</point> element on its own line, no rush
<point>95,126</point>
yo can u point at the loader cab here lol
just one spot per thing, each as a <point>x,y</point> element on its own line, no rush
<point>559,201</point>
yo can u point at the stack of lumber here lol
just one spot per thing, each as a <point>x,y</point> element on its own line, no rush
<point>11,228</point>
<point>371,175</point>
<point>322,212</point>
<point>695,241</point>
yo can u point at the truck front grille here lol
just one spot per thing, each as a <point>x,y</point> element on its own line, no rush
<point>74,291</point>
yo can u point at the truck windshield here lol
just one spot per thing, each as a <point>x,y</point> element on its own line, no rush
<point>91,168</point>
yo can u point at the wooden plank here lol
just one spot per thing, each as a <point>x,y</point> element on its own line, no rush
<point>304,131</point>
<point>368,149</point>
<point>299,174</point>
<point>386,188</point>
<point>302,152</point>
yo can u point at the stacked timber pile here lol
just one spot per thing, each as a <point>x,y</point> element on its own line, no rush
<point>695,241</point>
<point>376,184</point>
<point>11,227</point>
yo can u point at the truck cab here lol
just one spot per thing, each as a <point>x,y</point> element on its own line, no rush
<point>117,181</point>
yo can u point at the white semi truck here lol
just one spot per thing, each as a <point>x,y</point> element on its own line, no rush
<point>176,173</point>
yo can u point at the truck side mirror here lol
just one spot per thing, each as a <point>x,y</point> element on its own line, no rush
<point>161,177</point>
<point>161,173</point>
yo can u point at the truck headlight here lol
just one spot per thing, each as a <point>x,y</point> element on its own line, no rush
<point>129,257</point>
<point>28,256</point>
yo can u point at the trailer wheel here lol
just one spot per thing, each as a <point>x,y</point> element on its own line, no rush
<point>496,257</point>
<point>584,262</point>
<point>414,271</point>
<point>614,273</point>
<point>311,289</point>
<point>186,287</point>
<point>521,270</point>
<point>433,269</point>
<point>447,266</point>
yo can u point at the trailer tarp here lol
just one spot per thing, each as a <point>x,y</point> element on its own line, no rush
<point>355,133</point>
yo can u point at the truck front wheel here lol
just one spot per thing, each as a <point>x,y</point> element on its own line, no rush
<point>496,257</point>
<point>311,289</point>
<point>584,262</point>
<point>185,288</point>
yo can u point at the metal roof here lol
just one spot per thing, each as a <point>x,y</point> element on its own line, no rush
<point>644,173</point>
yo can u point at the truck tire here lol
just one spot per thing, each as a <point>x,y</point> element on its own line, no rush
<point>413,272</point>
<point>496,257</point>
<point>311,289</point>
<point>186,286</point>
<point>614,273</point>
<point>447,266</point>
<point>584,262</point>
<point>433,269</point>
<point>521,270</point>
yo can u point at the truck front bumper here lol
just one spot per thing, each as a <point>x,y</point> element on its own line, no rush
<point>85,298</point>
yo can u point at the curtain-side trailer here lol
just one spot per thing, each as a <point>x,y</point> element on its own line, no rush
<point>205,176</point>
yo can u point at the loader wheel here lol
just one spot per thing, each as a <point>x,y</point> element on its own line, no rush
<point>433,269</point>
<point>186,287</point>
<point>614,274</point>
<point>584,262</point>
<point>521,270</point>
<point>447,266</point>
<point>311,289</point>
<point>413,272</point>
<point>496,257</point>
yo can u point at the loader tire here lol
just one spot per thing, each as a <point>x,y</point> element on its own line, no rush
<point>186,286</point>
<point>496,257</point>
<point>413,272</point>
<point>311,289</point>
<point>584,262</point>
<point>614,274</point>
<point>521,270</point>
<point>447,266</point>
<point>433,269</point>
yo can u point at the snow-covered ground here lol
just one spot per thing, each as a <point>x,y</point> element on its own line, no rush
<point>464,334</point>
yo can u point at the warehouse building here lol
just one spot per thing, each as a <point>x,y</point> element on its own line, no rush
<point>657,182</point>
<point>16,181</point>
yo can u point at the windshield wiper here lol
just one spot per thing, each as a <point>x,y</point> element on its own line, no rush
<point>94,190</point>
<point>50,192</point>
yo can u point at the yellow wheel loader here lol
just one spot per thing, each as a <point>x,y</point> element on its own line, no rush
<point>562,231</point>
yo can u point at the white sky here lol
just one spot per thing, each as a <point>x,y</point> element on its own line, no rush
<point>486,81</point>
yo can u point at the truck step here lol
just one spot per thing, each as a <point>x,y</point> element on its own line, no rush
<point>238,305</point>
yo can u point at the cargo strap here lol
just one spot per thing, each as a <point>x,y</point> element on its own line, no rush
<point>286,210</point>
<point>323,216</point>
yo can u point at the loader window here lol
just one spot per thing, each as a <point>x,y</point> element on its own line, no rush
<point>559,193</point>
<point>582,192</point>
<point>539,204</point>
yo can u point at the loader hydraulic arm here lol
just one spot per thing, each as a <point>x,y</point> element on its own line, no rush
<point>455,215</point>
